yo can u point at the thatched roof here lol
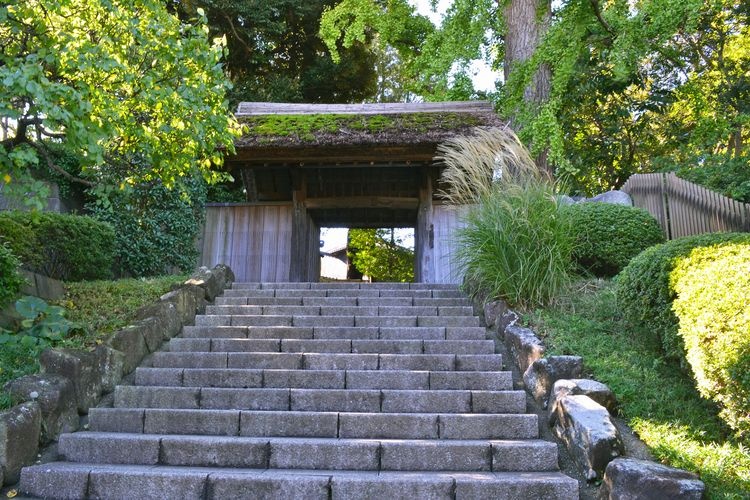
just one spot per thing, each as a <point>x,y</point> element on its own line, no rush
<point>281,125</point>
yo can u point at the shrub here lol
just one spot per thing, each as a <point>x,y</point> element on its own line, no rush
<point>713,309</point>
<point>10,279</point>
<point>61,246</point>
<point>607,236</point>
<point>728,176</point>
<point>644,292</point>
<point>156,226</point>
<point>515,244</point>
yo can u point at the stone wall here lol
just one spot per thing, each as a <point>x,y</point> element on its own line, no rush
<point>72,381</point>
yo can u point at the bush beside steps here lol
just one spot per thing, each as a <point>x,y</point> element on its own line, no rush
<point>73,380</point>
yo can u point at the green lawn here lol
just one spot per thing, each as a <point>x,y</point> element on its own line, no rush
<point>657,398</point>
<point>99,308</point>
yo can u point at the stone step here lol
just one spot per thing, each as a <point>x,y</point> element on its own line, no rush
<point>309,453</point>
<point>340,321</point>
<point>333,346</point>
<point>337,310</point>
<point>341,301</point>
<point>347,400</point>
<point>304,285</point>
<point>325,379</point>
<point>78,480</point>
<point>337,332</point>
<point>327,361</point>
<point>363,293</point>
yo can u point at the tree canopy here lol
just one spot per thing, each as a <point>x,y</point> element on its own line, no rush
<point>132,91</point>
<point>379,254</point>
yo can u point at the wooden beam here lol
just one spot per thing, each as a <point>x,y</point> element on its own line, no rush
<point>362,202</point>
<point>314,156</point>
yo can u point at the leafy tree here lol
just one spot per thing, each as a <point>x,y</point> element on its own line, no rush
<point>111,81</point>
<point>378,254</point>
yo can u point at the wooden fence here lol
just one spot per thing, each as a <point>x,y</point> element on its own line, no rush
<point>683,208</point>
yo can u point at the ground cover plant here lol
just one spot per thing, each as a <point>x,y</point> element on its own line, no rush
<point>657,399</point>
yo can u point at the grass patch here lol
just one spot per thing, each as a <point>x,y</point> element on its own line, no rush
<point>99,308</point>
<point>658,399</point>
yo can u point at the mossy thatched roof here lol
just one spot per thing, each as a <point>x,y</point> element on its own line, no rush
<point>350,125</point>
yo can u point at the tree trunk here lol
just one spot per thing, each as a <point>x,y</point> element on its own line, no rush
<point>526,22</point>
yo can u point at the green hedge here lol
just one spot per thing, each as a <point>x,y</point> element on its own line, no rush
<point>644,292</point>
<point>65,247</point>
<point>10,279</point>
<point>713,308</point>
<point>608,236</point>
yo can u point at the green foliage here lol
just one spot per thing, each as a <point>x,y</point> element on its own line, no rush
<point>728,176</point>
<point>114,80</point>
<point>644,291</point>
<point>516,245</point>
<point>66,247</point>
<point>657,399</point>
<point>10,280</point>
<point>377,253</point>
<point>713,310</point>
<point>608,236</point>
<point>41,324</point>
<point>156,227</point>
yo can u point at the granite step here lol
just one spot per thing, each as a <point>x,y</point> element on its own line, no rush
<point>243,300</point>
<point>79,480</point>
<point>325,379</point>
<point>317,320</point>
<point>335,332</point>
<point>309,453</point>
<point>348,400</point>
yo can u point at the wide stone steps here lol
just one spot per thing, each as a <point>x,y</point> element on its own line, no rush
<point>349,400</point>
<point>315,390</point>
<point>79,480</point>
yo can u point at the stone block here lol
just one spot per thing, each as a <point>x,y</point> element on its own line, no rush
<point>305,379</point>
<point>340,361</point>
<point>453,321</point>
<point>259,320</point>
<point>168,318</point>
<point>321,346</point>
<point>498,401</point>
<point>411,333</point>
<point>595,390</point>
<point>436,456</point>
<point>48,288</point>
<point>390,485</point>
<point>194,345</point>
<point>57,402</point>
<point>268,485</point>
<point>588,432</point>
<point>323,321</point>
<point>347,400</point>
<point>208,281</point>
<point>208,377</point>
<point>512,486</point>
<point>479,362</point>
<point>279,332</point>
<point>20,430</point>
<point>151,329</point>
<point>426,401</point>
<point>208,422</point>
<point>133,396</point>
<point>476,426</point>
<point>387,346</point>
<point>214,320</point>
<point>289,423</point>
<point>188,300</point>
<point>224,274</point>
<point>480,381</point>
<point>214,451</point>
<point>130,342</point>
<point>210,332</point>
<point>164,359</point>
<point>543,373</point>
<point>426,362</point>
<point>395,379</point>
<point>345,333</point>
<point>465,333</point>
<point>524,456</point>
<point>245,399</point>
<point>265,360</point>
<point>331,301</point>
<point>81,368</point>
<point>459,347</point>
<point>109,448</point>
<point>627,478</point>
<point>386,321</point>
<point>243,345</point>
<point>388,426</point>
<point>141,482</point>
<point>61,481</point>
<point>324,454</point>
<point>523,345</point>
<point>159,376</point>
<point>116,420</point>
<point>492,310</point>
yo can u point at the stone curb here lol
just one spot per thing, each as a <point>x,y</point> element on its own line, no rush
<point>580,411</point>
<point>72,381</point>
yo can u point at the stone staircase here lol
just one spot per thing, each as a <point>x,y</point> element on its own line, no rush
<point>299,390</point>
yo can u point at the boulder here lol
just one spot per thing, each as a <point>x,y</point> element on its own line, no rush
<point>57,402</point>
<point>543,373</point>
<point>523,345</point>
<point>564,200</point>
<point>627,478</point>
<point>493,310</point>
<point>224,274</point>
<point>20,429</point>
<point>588,432</point>
<point>582,386</point>
<point>613,197</point>
<point>188,300</point>
<point>209,281</point>
<point>166,314</point>
<point>81,368</point>
<point>130,342</point>
<point>111,366</point>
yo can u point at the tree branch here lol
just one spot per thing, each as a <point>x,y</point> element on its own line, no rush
<point>52,165</point>
<point>598,13</point>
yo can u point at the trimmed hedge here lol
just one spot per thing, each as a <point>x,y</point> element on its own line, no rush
<point>608,236</point>
<point>644,292</point>
<point>10,279</point>
<point>713,309</point>
<point>64,247</point>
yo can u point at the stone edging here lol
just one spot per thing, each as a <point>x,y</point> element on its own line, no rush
<point>72,381</point>
<point>580,411</point>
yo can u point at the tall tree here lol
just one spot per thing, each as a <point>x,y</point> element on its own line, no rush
<point>112,82</point>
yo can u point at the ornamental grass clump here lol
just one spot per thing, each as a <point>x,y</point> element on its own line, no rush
<point>515,245</point>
